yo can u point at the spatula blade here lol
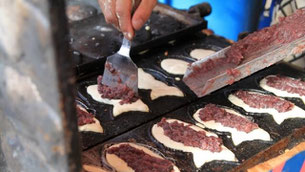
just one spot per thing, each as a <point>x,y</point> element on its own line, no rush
<point>120,70</point>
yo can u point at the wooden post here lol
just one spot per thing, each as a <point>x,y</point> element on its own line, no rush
<point>38,128</point>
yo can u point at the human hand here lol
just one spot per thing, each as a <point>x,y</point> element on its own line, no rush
<point>119,14</point>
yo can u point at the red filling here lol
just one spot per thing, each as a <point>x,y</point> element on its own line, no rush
<point>212,112</point>
<point>209,65</point>
<point>190,137</point>
<point>140,161</point>
<point>291,85</point>
<point>287,30</point>
<point>84,117</point>
<point>252,46</point>
<point>122,92</point>
<point>262,101</point>
<point>233,72</point>
<point>230,81</point>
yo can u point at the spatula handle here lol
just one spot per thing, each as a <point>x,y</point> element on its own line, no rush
<point>125,48</point>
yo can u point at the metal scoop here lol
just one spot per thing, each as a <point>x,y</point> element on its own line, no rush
<point>203,83</point>
<point>120,69</point>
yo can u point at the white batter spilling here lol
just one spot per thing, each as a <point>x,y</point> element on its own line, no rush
<point>278,117</point>
<point>94,127</point>
<point>117,107</point>
<point>93,168</point>
<point>281,93</point>
<point>121,166</point>
<point>201,53</point>
<point>158,88</point>
<point>174,66</point>
<point>146,82</point>
<point>200,156</point>
<point>237,136</point>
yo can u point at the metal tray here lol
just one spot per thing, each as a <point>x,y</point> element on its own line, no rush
<point>249,153</point>
<point>93,38</point>
<point>179,47</point>
<point>151,63</point>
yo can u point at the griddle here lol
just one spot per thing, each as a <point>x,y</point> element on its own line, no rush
<point>135,126</point>
<point>92,38</point>
<point>248,153</point>
<point>150,62</point>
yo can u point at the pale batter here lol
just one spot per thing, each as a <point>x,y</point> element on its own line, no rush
<point>158,88</point>
<point>92,168</point>
<point>281,93</point>
<point>117,107</point>
<point>146,82</point>
<point>201,53</point>
<point>200,156</point>
<point>121,166</point>
<point>94,127</point>
<point>237,136</point>
<point>174,66</point>
<point>278,117</point>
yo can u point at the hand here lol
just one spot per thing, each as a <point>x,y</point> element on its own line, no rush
<point>118,13</point>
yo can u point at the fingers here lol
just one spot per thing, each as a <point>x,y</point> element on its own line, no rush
<point>142,13</point>
<point>108,7</point>
<point>123,14</point>
<point>118,13</point>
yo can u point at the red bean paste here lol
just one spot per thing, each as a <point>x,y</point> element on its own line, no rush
<point>190,137</point>
<point>291,85</point>
<point>230,81</point>
<point>122,92</point>
<point>207,66</point>
<point>140,161</point>
<point>84,117</point>
<point>287,30</point>
<point>233,72</point>
<point>212,112</point>
<point>263,101</point>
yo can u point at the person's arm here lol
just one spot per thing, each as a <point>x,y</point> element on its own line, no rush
<point>118,13</point>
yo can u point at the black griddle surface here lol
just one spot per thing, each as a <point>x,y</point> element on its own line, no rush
<point>126,121</point>
<point>244,150</point>
<point>94,38</point>
<point>150,62</point>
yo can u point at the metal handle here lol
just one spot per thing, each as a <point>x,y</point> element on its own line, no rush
<point>201,10</point>
<point>126,43</point>
<point>125,48</point>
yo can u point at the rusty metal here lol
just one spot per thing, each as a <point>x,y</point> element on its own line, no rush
<point>38,129</point>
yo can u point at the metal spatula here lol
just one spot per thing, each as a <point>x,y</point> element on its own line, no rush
<point>120,69</point>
